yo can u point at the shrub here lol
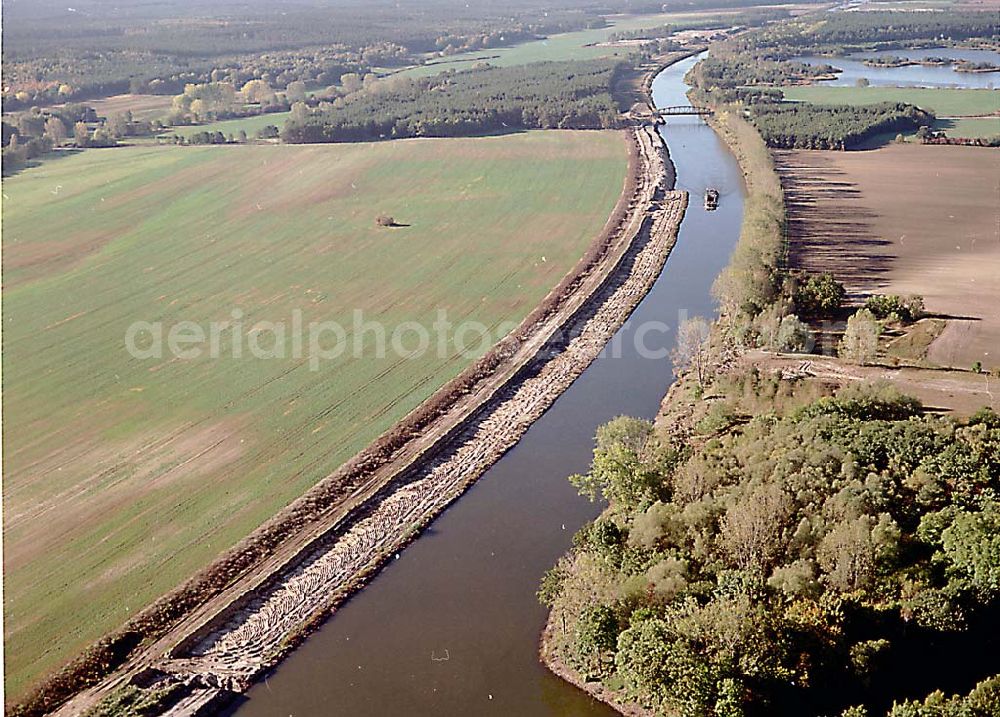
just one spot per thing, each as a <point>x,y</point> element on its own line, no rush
<point>884,306</point>
<point>818,295</point>
<point>794,335</point>
<point>595,637</point>
<point>268,132</point>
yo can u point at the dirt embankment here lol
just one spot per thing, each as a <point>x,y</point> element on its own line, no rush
<point>247,610</point>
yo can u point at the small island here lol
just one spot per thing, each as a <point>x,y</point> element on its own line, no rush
<point>892,61</point>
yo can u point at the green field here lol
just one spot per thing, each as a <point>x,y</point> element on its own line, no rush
<point>973,128</point>
<point>580,45</point>
<point>123,475</point>
<point>943,102</point>
<point>250,125</point>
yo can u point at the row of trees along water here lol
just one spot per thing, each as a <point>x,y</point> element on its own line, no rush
<point>769,549</point>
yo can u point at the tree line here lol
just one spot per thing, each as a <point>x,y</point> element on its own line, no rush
<point>482,100</point>
<point>881,28</point>
<point>768,549</point>
<point>32,134</point>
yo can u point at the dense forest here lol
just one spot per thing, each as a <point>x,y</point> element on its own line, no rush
<point>847,32</point>
<point>809,126</point>
<point>849,28</point>
<point>786,554</point>
<point>488,99</point>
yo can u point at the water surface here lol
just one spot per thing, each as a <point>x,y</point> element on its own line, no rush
<point>911,75</point>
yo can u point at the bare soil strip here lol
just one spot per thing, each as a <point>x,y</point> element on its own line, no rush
<point>234,635</point>
<point>940,390</point>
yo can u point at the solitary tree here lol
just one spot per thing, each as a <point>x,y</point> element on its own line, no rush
<point>818,294</point>
<point>794,335</point>
<point>625,469</point>
<point>81,135</point>
<point>102,137</point>
<point>296,91</point>
<point>595,639</point>
<point>752,527</point>
<point>257,91</point>
<point>300,111</point>
<point>691,351</point>
<point>860,342</point>
<point>118,125</point>
<point>351,82</point>
<point>847,554</point>
<point>199,108</point>
<point>55,130</point>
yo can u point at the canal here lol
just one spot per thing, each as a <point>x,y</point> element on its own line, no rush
<point>451,626</point>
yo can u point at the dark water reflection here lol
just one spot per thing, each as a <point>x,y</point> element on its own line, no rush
<point>451,626</point>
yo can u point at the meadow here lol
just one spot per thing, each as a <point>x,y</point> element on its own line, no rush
<point>943,102</point>
<point>579,45</point>
<point>142,107</point>
<point>969,127</point>
<point>250,125</point>
<point>124,475</point>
